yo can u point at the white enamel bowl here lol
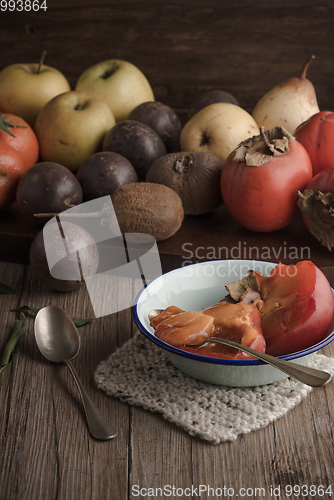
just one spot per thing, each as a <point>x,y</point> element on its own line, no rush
<point>199,285</point>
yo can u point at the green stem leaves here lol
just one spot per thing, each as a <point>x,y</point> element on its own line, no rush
<point>32,311</point>
<point>20,328</point>
<point>6,289</point>
<point>4,127</point>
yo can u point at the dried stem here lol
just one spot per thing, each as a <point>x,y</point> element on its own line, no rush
<point>90,214</point>
<point>41,61</point>
<point>305,67</point>
<point>264,137</point>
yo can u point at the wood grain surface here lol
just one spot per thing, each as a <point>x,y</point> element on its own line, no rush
<point>184,48</point>
<point>46,450</point>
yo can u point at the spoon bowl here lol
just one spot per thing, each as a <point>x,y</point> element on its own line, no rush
<point>56,335</point>
<point>58,340</point>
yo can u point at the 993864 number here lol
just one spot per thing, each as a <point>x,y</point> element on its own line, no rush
<point>22,5</point>
<point>308,491</point>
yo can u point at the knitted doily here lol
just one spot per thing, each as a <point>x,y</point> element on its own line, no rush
<point>139,373</point>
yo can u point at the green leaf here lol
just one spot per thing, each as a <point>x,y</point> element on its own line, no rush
<point>34,310</point>
<point>6,289</point>
<point>20,328</point>
<point>80,321</point>
<point>30,310</point>
<point>4,127</point>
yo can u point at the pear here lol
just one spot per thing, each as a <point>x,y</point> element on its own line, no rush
<point>288,104</point>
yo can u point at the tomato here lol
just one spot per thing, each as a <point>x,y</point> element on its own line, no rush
<point>11,170</point>
<point>264,198</point>
<point>297,309</point>
<point>239,322</point>
<point>317,136</point>
<point>316,203</point>
<point>25,141</point>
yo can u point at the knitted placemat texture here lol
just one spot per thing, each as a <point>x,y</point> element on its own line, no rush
<point>139,374</point>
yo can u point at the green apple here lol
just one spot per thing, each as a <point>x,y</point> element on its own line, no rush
<point>71,127</point>
<point>119,83</point>
<point>218,129</point>
<point>26,88</point>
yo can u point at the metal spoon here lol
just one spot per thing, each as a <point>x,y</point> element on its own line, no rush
<point>59,341</point>
<point>305,374</point>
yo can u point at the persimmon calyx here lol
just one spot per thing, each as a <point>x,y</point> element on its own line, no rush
<point>261,148</point>
<point>238,288</point>
<point>318,209</point>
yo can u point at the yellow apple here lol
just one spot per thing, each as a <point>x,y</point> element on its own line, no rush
<point>218,129</point>
<point>26,88</point>
<point>71,127</point>
<point>119,83</point>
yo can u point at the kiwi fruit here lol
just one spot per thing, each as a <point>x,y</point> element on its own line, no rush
<point>194,176</point>
<point>150,208</point>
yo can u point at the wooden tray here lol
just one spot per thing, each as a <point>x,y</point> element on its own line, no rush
<point>205,237</point>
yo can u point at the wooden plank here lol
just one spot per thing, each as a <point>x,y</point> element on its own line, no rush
<point>48,452</point>
<point>43,427</point>
<point>160,455</point>
<point>211,236</point>
<point>295,450</point>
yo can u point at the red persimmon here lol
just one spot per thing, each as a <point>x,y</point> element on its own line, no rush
<point>317,135</point>
<point>261,177</point>
<point>11,170</point>
<point>24,140</point>
<point>297,309</point>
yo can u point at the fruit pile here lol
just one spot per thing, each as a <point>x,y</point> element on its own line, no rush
<point>61,147</point>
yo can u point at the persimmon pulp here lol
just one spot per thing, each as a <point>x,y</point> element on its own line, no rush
<point>239,322</point>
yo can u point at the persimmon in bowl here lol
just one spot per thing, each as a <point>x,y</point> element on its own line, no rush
<point>296,312</point>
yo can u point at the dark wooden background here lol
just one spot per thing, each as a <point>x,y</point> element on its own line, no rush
<point>183,47</point>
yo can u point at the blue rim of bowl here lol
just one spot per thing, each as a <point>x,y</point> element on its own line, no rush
<point>217,361</point>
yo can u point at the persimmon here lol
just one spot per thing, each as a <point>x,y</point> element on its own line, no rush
<point>261,177</point>
<point>23,139</point>
<point>239,322</point>
<point>316,135</point>
<point>11,170</point>
<point>298,307</point>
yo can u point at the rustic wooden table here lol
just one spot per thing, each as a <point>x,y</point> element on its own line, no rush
<point>184,48</point>
<point>47,451</point>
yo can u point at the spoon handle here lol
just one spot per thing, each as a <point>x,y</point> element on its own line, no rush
<point>307,375</point>
<point>98,425</point>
